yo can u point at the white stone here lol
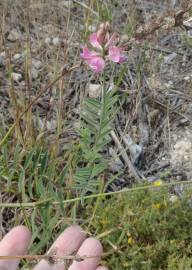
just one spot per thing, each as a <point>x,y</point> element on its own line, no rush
<point>186,78</point>
<point>189,33</point>
<point>181,153</point>
<point>2,59</point>
<point>36,64</point>
<point>169,58</point>
<point>56,41</point>
<point>34,73</point>
<point>16,77</point>
<point>188,23</point>
<point>77,124</point>
<point>18,58</point>
<point>2,62</point>
<point>14,35</point>
<point>51,125</point>
<point>3,54</point>
<point>67,3</point>
<point>94,90</point>
<point>47,40</point>
<point>92,28</point>
<point>115,164</point>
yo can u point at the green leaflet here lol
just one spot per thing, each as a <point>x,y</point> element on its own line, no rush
<point>96,124</point>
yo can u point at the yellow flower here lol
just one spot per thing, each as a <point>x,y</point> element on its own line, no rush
<point>157,205</point>
<point>125,264</point>
<point>104,222</point>
<point>130,241</point>
<point>158,183</point>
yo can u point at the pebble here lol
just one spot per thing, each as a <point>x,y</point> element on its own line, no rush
<point>189,33</point>
<point>47,40</point>
<point>51,125</point>
<point>18,57</point>
<point>2,59</point>
<point>188,23</point>
<point>92,28</point>
<point>116,164</point>
<point>34,73</point>
<point>169,58</point>
<point>77,124</point>
<point>186,78</point>
<point>135,149</point>
<point>3,54</point>
<point>2,62</point>
<point>16,77</point>
<point>56,41</point>
<point>14,35</point>
<point>36,64</point>
<point>67,3</point>
<point>94,90</point>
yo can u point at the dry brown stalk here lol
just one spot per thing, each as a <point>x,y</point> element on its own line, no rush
<point>53,259</point>
<point>167,21</point>
<point>34,100</point>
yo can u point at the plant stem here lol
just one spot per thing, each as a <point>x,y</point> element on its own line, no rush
<point>54,203</point>
<point>102,117</point>
<point>39,94</point>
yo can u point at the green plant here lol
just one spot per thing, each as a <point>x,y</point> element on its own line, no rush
<point>98,114</point>
<point>145,230</point>
<point>97,119</point>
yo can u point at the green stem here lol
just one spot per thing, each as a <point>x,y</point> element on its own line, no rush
<point>103,101</point>
<point>54,203</point>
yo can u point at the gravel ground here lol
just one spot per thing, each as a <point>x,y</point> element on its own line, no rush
<point>156,114</point>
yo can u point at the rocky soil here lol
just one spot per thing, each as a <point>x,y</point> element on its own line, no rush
<point>155,118</point>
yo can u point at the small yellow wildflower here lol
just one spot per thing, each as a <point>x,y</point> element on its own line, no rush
<point>130,241</point>
<point>157,205</point>
<point>104,222</point>
<point>125,264</point>
<point>158,183</point>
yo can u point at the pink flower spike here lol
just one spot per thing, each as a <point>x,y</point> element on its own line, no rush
<point>96,63</point>
<point>116,55</point>
<point>87,54</point>
<point>94,40</point>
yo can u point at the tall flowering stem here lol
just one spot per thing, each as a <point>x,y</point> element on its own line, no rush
<point>102,48</point>
<point>98,115</point>
<point>103,101</point>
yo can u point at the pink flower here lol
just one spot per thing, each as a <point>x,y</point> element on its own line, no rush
<point>96,63</point>
<point>93,59</point>
<point>95,41</point>
<point>104,44</point>
<point>116,55</point>
<point>87,54</point>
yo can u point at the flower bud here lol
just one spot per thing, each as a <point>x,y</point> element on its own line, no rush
<point>101,35</point>
<point>107,26</point>
<point>102,26</point>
